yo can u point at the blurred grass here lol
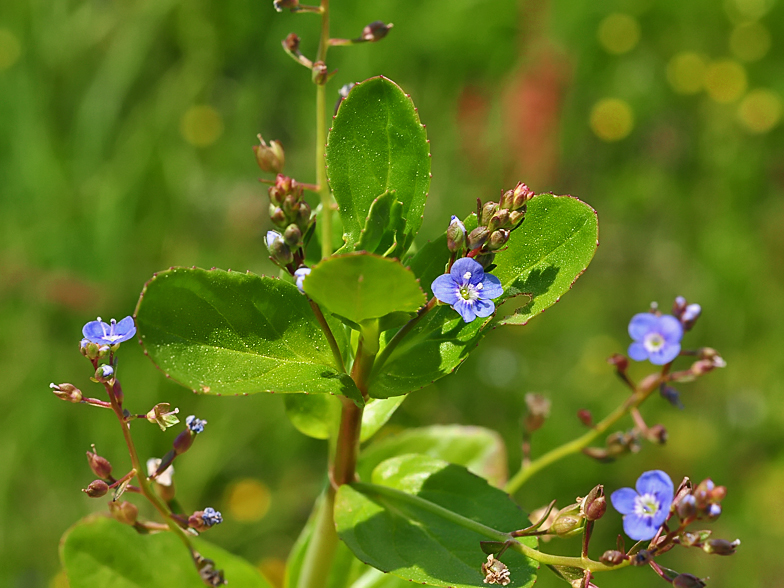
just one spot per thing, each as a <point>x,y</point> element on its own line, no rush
<point>125,133</point>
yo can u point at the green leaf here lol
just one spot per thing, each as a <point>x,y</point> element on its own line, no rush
<point>99,551</point>
<point>384,228</point>
<point>549,251</point>
<point>317,415</point>
<point>480,450</point>
<point>361,286</point>
<point>220,332</point>
<point>377,145</point>
<point>422,519</point>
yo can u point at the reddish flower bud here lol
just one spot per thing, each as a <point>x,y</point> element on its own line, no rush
<point>270,157</point>
<point>375,31</point>
<point>594,505</point>
<point>96,489</point>
<point>125,512</point>
<point>67,392</point>
<point>183,442</point>
<point>612,558</point>
<point>99,465</point>
<point>720,546</point>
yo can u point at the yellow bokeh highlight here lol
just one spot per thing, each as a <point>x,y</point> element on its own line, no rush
<point>10,49</point>
<point>248,500</point>
<point>201,125</point>
<point>612,119</point>
<point>686,73</point>
<point>750,41</point>
<point>59,580</point>
<point>725,81</point>
<point>760,111</point>
<point>274,570</point>
<point>619,33</point>
<point>752,9</point>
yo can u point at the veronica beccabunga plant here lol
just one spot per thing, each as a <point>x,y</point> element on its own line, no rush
<point>346,335</point>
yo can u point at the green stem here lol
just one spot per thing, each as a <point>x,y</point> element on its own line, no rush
<point>321,140</point>
<point>399,496</point>
<point>577,445</point>
<point>321,549</point>
<point>144,485</point>
<point>333,345</point>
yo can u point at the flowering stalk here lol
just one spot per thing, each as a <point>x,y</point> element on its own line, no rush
<point>640,394</point>
<point>321,139</point>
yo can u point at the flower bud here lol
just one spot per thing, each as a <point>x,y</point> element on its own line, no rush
<point>375,31</point>
<point>585,417</point>
<point>522,194</point>
<point>67,392</point>
<point>720,546</point>
<point>96,489</point>
<point>687,581</point>
<point>304,219</point>
<point>538,407</point>
<point>299,278</point>
<point>477,237</point>
<point>515,218</point>
<point>642,558</point>
<point>657,434</point>
<point>702,367</point>
<point>278,249</point>
<point>104,374</point>
<point>595,504</point>
<point>499,220</point>
<point>612,558</point>
<point>183,442</point>
<point>671,395</point>
<point>690,315</point>
<point>498,239</point>
<point>713,512</point>
<point>319,73</point>
<point>99,465</point>
<point>620,362</point>
<point>568,521</point>
<point>507,200</point>
<point>269,157</point>
<point>279,5</point>
<point>455,235</point>
<point>687,507</point>
<point>678,306</point>
<point>293,236</point>
<point>277,216</point>
<point>485,260</point>
<point>291,43</point>
<point>125,512</point>
<point>488,210</point>
<point>291,205</point>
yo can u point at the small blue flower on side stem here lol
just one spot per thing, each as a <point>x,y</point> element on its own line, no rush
<point>100,333</point>
<point>645,509</point>
<point>468,290</point>
<point>195,425</point>
<point>300,276</point>
<point>656,338</point>
<point>211,517</point>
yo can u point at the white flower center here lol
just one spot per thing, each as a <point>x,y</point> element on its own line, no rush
<point>469,292</point>
<point>653,341</point>
<point>646,505</point>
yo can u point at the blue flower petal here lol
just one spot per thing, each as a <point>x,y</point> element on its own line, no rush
<point>670,328</point>
<point>665,354</point>
<point>445,289</point>
<point>491,287</point>
<point>623,500</point>
<point>638,352</point>
<point>94,331</point>
<point>639,528</point>
<point>484,308</point>
<point>659,484</point>
<point>466,309</point>
<point>467,265</point>
<point>642,324</point>
<point>125,328</point>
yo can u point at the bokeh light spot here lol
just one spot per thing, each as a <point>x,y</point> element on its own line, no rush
<point>725,81</point>
<point>619,33</point>
<point>686,73</point>
<point>760,111</point>
<point>274,570</point>
<point>10,49</point>
<point>612,119</point>
<point>248,500</point>
<point>59,580</point>
<point>201,125</point>
<point>750,41</point>
<point>750,9</point>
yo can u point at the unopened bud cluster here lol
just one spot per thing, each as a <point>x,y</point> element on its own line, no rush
<point>496,222</point>
<point>292,215</point>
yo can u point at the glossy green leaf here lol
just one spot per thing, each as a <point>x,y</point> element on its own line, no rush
<point>220,332</point>
<point>100,552</point>
<point>383,233</point>
<point>362,286</point>
<point>549,251</point>
<point>422,519</point>
<point>377,145</point>
<point>480,450</point>
<point>317,415</point>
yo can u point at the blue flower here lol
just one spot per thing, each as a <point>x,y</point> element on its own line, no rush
<point>645,509</point>
<point>211,517</point>
<point>102,334</point>
<point>300,276</point>
<point>656,338</point>
<point>195,425</point>
<point>467,289</point>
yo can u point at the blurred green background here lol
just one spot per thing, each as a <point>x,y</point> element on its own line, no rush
<point>125,135</point>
